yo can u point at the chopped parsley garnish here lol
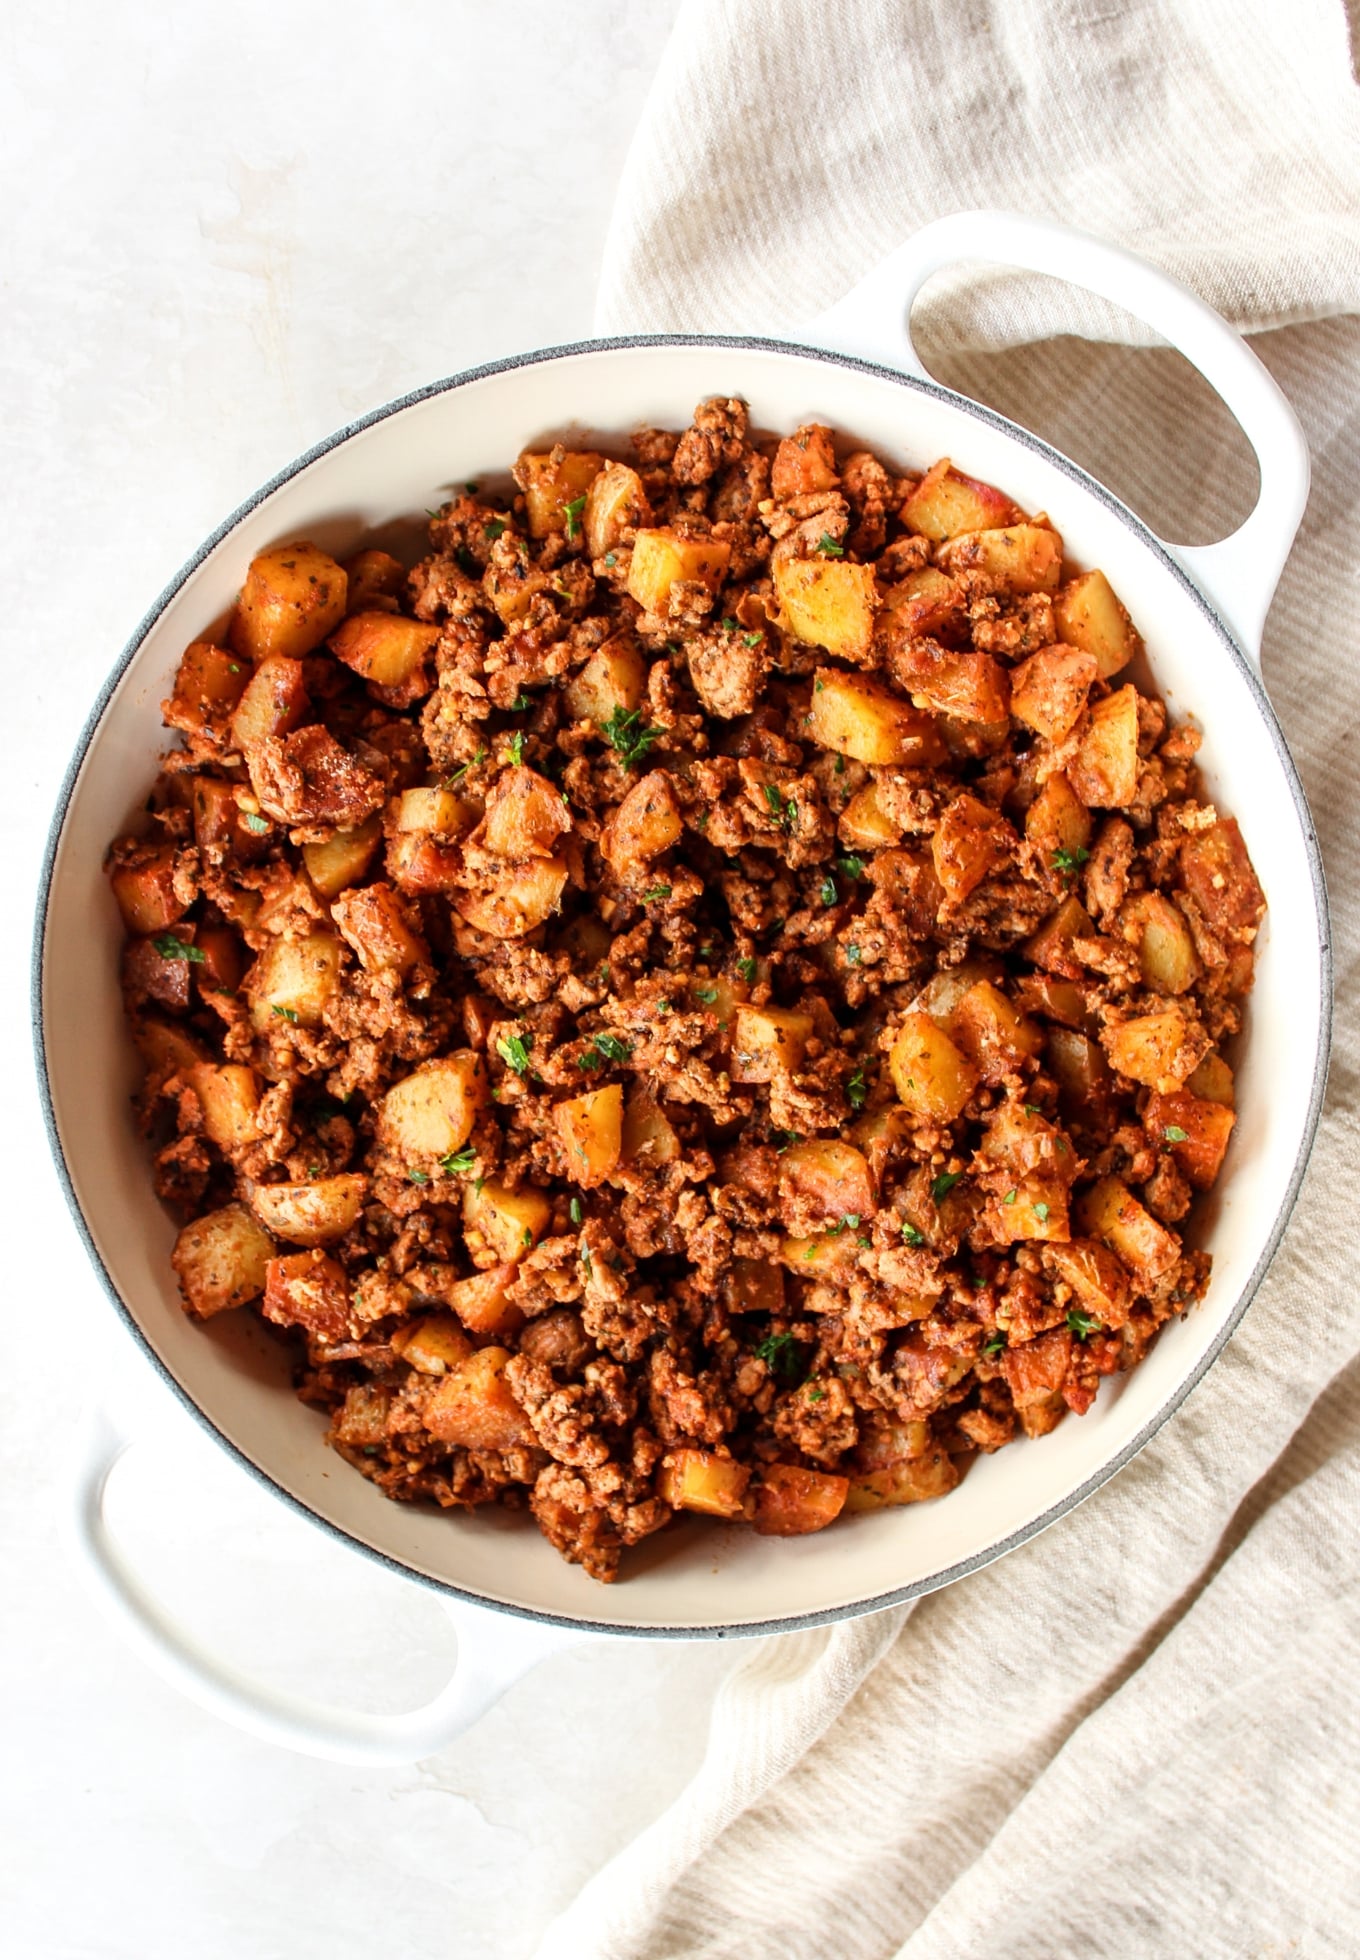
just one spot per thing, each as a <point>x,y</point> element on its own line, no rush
<point>851,867</point>
<point>517,747</point>
<point>459,774</point>
<point>1175,1134</point>
<point>706,994</point>
<point>857,1089</point>
<point>494,530</point>
<point>575,1211</point>
<point>729,625</point>
<point>827,892</point>
<point>258,825</point>
<point>466,562</point>
<point>782,808</point>
<point>747,969</point>
<point>1040,1212</point>
<point>572,513</point>
<point>1031,1109</point>
<point>520,703</point>
<point>472,488</point>
<point>994,1344</point>
<point>1081,1324</point>
<point>626,732</point>
<point>458,1161</point>
<point>852,955</point>
<point>944,1184</point>
<point>513,1050</point>
<point>912,1233</point>
<point>781,1139</point>
<point>587,1262</point>
<point>418,1177</point>
<point>611,559</point>
<point>528,1237</point>
<point>828,547</point>
<point>752,639</point>
<point>656,894</point>
<point>171,948</point>
<point>1010,1198</point>
<point>816,1395</point>
<point>287,1014</point>
<point>613,1048</point>
<point>1068,861</point>
<point>784,1358</point>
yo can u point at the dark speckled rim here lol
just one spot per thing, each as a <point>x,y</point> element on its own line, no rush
<point>897,1595</point>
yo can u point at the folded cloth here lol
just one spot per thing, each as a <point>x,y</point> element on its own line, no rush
<point>1139,1733</point>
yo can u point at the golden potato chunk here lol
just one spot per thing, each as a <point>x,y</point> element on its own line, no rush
<point>1088,615</point>
<point>294,595</point>
<point>827,603</point>
<point>591,1130</point>
<point>373,921</point>
<point>556,485</point>
<point>826,1178</point>
<point>1097,1278</point>
<point>309,1290</point>
<point>430,1113</point>
<point>911,1480</point>
<point>945,502</point>
<point>208,685</point>
<point>700,1480</point>
<point>647,822</point>
<point>925,602</point>
<point>1034,1208</point>
<point>661,560</point>
<point>971,842</point>
<point>1213,1082</point>
<point>864,825</point>
<point>1110,1212</point>
<point>274,702</point>
<point>500,1225</point>
<point>376,581</point>
<point>790,1501</point>
<point>615,502</point>
<point>293,980</point>
<point>221,1260</point>
<point>1218,874</point>
<point>1049,690</point>
<point>804,463</point>
<point>517,902</point>
<point>229,1096</point>
<point>342,859</point>
<point>1021,558</point>
<point>525,814</point>
<point>432,1346</point>
<point>1166,951</point>
<point>612,682</point>
<point>1104,771</point>
<point>481,1301</point>
<point>1160,1049</point>
<point>995,1037</point>
<point>933,1078</point>
<point>1058,823</point>
<point>474,1407</point>
<point>858,717</point>
<point>311,1214</point>
<point>766,1041</point>
<point>384,647</point>
<point>648,1135</point>
<point>1051,945</point>
<point>144,886</point>
<point>1194,1130</point>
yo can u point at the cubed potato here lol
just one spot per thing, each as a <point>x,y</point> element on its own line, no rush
<point>858,717</point>
<point>314,1213</point>
<point>995,1038</point>
<point>1213,1081</point>
<point>474,1407</point>
<point>615,502</point>
<point>1019,1140</point>
<point>1196,1133</point>
<point>661,560</point>
<point>1049,690</point>
<point>432,1346</point>
<point>1088,615</point>
<point>790,1501</point>
<point>971,842</point>
<point>1035,1208</point>
<point>373,921</point>
<point>342,859</point>
<point>1218,873</point>
<point>700,1480</point>
<point>1110,1212</point>
<point>309,1290</point>
<point>500,1225</point>
<point>292,598</point>
<point>229,1096</point>
<point>274,703</point>
<point>768,1041</point>
<point>911,1480</point>
<point>591,1130</point>
<point>933,1078</point>
<point>825,1255</point>
<point>1062,1001</point>
<point>1051,946</point>
<point>946,988</point>
<point>1021,558</point>
<point>511,582</point>
<point>556,484</point>
<point>143,883</point>
<point>754,1286</point>
<point>804,463</point>
<point>1097,1278</point>
<point>613,681</point>
<point>1159,1049</point>
<point>219,820</point>
<point>525,814</point>
<point>1078,1066</point>
<point>925,602</point>
<point>829,1178</point>
<point>376,581</point>
<point>1166,951</point>
<point>294,980</point>
<point>517,902</point>
<point>968,687</point>
<point>647,822</point>
<point>827,602</point>
<point>434,813</point>
<point>360,1423</point>
<point>221,1260</point>
<point>430,1113</point>
<point>1058,823</point>
<point>1104,771</point>
<point>481,1301</point>
<point>420,864</point>
<point>1035,1372</point>
<point>383,647</point>
<point>864,825</point>
<point>166,1049</point>
<point>208,684</point>
<point>945,502</point>
<point>648,1135</point>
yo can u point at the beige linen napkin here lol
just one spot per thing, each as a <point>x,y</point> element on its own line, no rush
<point>1139,1734</point>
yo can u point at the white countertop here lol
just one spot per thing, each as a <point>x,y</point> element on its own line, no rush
<point>228,232</point>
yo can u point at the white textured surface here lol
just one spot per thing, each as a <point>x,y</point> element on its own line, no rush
<point>227,232</point>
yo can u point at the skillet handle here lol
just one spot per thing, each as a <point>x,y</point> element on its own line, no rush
<point>494,1650</point>
<point>1238,575</point>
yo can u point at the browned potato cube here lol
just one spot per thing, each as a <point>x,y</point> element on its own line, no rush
<point>311,1290</point>
<point>1049,690</point>
<point>1110,1212</point>
<point>274,702</point>
<point>474,1407</point>
<point>292,598</point>
<point>1058,823</point>
<point>1160,1049</point>
<point>911,1480</point>
<point>500,1225</point>
<point>166,1049</point>
<point>864,826</point>
<point>208,685</point>
<point>612,682</point>
<point>525,814</point>
<point>804,463</point>
<point>591,1130</point>
<point>615,502</point>
<point>556,485</point>
<point>517,902</point>
<point>222,1260</point>
<point>829,1178</point>
<point>827,603</point>
<point>1166,952</point>
<point>383,647</point>
<point>1104,771</point>
<point>1213,1082</point>
<point>511,582</point>
<point>229,1096</point>
<point>311,1214</point>
<point>767,1041</point>
<point>144,886</point>
<point>945,502</point>
<point>925,602</point>
<point>933,1078</point>
<point>1051,945</point>
<point>1035,1208</point>
<point>1089,616</point>
<point>647,822</point>
<point>700,1480</point>
<point>661,560</point>
<point>1218,873</point>
<point>342,859</point>
<point>967,686</point>
<point>432,1346</point>
<point>1078,1065</point>
<point>482,1301</point>
<point>996,1038</point>
<point>376,581</point>
<point>791,1501</point>
<point>293,980</point>
<point>1021,558</point>
<point>430,1113</point>
<point>1097,1278</point>
<point>434,812</point>
<point>648,1136</point>
<point>1195,1131</point>
<point>970,842</point>
<point>373,921</point>
<point>858,717</point>
<point>824,1255</point>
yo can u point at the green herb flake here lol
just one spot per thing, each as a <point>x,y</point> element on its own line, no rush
<point>1031,1109</point>
<point>1175,1134</point>
<point>458,1161</point>
<point>626,732</point>
<point>828,547</point>
<point>495,529</point>
<point>1040,1212</point>
<point>572,513</point>
<point>851,867</point>
<point>472,488</point>
<point>517,748</point>
<point>513,1050</point>
<point>256,825</point>
<point>852,955</point>
<point>418,1177</point>
<point>729,625</point>
<point>587,1262</point>
<point>528,1238</point>
<point>747,969</point>
<point>1069,861</point>
<point>479,1187</point>
<point>657,895</point>
<point>1081,1324</point>
<point>784,1357</point>
<point>827,892</point>
<point>575,1211</point>
<point>1010,1198</point>
<point>994,1344</point>
<point>857,1089</point>
<point>944,1184</point>
<point>706,994</point>
<point>752,639</point>
<point>912,1233</point>
<point>781,1139</point>
<point>171,948</point>
<point>611,559</point>
<point>466,562</point>
<point>613,1048</point>
<point>520,703</point>
<point>458,774</point>
<point>287,1014</point>
<point>816,1395</point>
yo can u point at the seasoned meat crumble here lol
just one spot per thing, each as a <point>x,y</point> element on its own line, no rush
<point>708,993</point>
